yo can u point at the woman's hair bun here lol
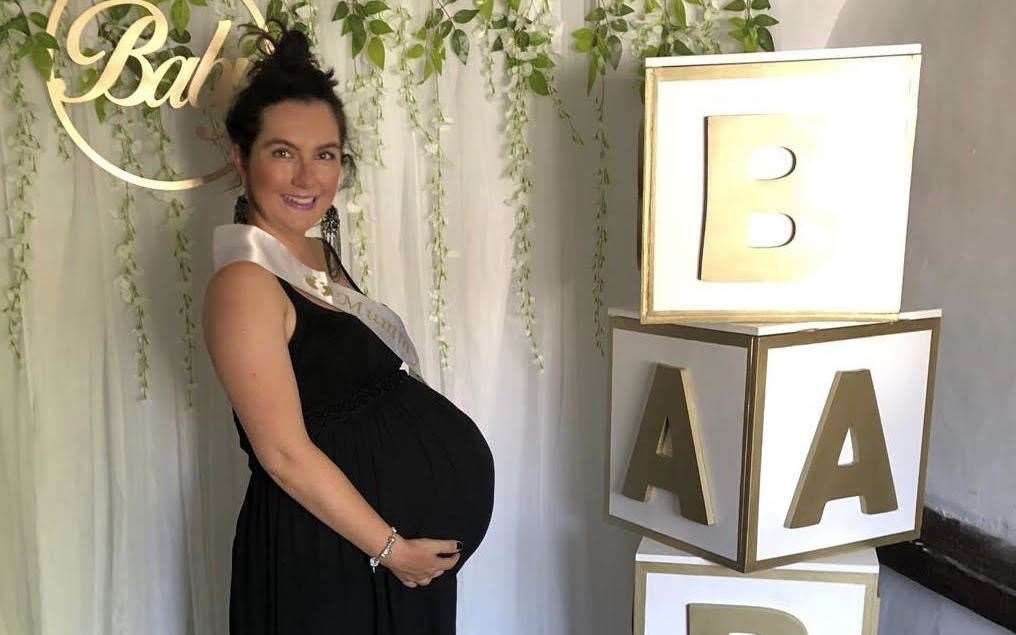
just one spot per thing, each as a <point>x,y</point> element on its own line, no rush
<point>291,51</point>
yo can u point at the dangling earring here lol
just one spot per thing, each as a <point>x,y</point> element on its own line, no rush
<point>240,210</point>
<point>330,226</point>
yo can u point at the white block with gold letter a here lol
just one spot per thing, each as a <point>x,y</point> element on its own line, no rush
<point>777,185</point>
<point>680,594</point>
<point>757,445</point>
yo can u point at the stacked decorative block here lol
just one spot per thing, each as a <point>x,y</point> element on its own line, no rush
<point>770,405</point>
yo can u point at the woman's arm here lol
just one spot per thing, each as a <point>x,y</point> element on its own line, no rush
<point>245,331</point>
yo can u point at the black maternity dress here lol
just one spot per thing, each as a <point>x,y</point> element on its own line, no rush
<point>416,458</point>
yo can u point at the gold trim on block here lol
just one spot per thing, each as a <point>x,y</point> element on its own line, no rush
<point>868,580</point>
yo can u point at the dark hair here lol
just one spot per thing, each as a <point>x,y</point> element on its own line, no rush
<point>288,72</point>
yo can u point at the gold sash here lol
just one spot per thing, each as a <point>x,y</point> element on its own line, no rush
<point>248,242</point>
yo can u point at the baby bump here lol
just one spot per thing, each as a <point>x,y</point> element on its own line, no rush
<point>418,460</point>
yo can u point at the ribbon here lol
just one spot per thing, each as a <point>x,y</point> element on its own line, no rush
<point>231,243</point>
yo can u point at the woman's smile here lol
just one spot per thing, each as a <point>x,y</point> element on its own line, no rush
<point>302,203</point>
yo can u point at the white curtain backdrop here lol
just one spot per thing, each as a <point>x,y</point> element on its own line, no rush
<point>117,515</point>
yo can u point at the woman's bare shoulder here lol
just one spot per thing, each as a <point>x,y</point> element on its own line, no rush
<point>243,285</point>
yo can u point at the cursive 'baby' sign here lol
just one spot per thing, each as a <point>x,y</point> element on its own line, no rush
<point>144,37</point>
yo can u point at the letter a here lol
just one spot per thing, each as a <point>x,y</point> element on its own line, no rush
<point>851,407</point>
<point>668,449</point>
<point>722,619</point>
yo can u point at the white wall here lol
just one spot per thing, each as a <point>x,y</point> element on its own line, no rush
<point>958,256</point>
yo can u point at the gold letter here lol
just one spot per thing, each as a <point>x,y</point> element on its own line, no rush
<point>733,196</point>
<point>668,449</point>
<point>851,407</point>
<point>722,619</point>
<point>124,49</point>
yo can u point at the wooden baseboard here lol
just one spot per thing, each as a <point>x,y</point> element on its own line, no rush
<point>961,563</point>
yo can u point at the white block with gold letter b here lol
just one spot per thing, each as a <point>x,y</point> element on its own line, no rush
<point>758,445</point>
<point>777,185</point>
<point>680,594</point>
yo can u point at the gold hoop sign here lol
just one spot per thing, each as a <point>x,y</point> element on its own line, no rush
<point>184,91</point>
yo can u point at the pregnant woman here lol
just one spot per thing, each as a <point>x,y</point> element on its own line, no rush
<point>368,489</point>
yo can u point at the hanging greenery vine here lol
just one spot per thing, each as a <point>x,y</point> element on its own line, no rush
<point>177,217</point>
<point>517,37</point>
<point>365,24</point>
<point>21,35</point>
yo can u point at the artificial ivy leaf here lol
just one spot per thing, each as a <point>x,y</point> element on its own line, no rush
<point>428,69</point>
<point>100,107</point>
<point>513,5</point>
<point>376,52</point>
<point>681,48</point>
<point>45,40</point>
<point>180,37</point>
<point>498,45</point>
<point>664,49</point>
<point>445,29</point>
<point>765,39</point>
<point>680,16</point>
<point>25,48</point>
<point>486,9</point>
<point>750,42</point>
<point>624,9</point>
<point>465,15</point>
<point>583,39</point>
<point>355,24</point>
<point>592,70</point>
<point>522,39</point>
<point>375,6</point>
<point>119,11</point>
<point>42,60</point>
<point>274,9</point>
<point>359,39</point>
<point>433,19</point>
<point>765,20</point>
<point>738,22</point>
<point>437,55</point>
<point>39,19</point>
<point>499,23</point>
<point>18,24</point>
<point>179,14</point>
<point>620,25</point>
<point>736,5</point>
<point>542,61</point>
<point>302,28</point>
<point>341,11</point>
<point>414,51</point>
<point>380,27</point>
<point>460,45</point>
<point>199,3</point>
<point>759,5</point>
<point>538,82</point>
<point>650,6</point>
<point>247,47</point>
<point>184,51</point>
<point>614,51</point>
<point>596,15</point>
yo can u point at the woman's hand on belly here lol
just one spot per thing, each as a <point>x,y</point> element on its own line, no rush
<point>418,561</point>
